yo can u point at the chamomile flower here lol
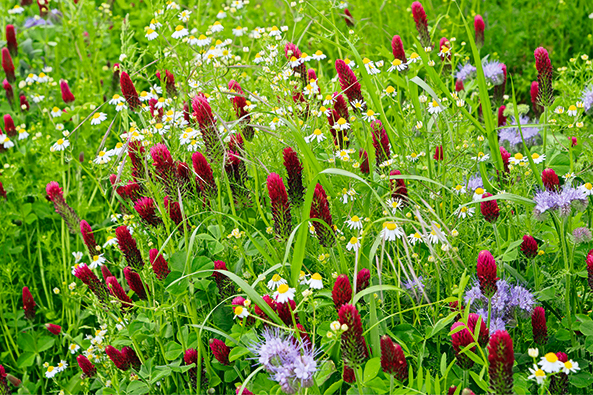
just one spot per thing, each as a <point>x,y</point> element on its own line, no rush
<point>413,157</point>
<point>284,294</point>
<point>537,158</point>
<point>111,241</point>
<point>6,142</point>
<point>369,116</point>
<point>329,100</point>
<point>465,211</point>
<point>586,189</point>
<point>276,281</point>
<point>117,150</point>
<point>240,312</point>
<point>77,256</point>
<point>394,204</point>
<point>55,112</point>
<point>341,124</point>
<point>559,110</point>
<point>151,34</point>
<point>318,55</point>
<point>459,189</point>
<point>42,78</point>
<point>481,157</point>
<point>239,31</point>
<point>216,27</point>
<point>102,158</point>
<point>23,134</point>
<point>17,9</point>
<point>414,238</point>
<point>116,99</point>
<point>180,32</point>
<point>358,105</point>
<point>203,41</point>
<point>517,159</point>
<point>435,235</point>
<point>550,363</point>
<point>353,244</point>
<point>60,145</point>
<point>355,223</point>
<point>537,374</point>
<point>98,117</point>
<point>97,261</point>
<point>434,107</point>
<point>316,135</point>
<point>120,106</point>
<point>184,15</point>
<point>37,98</point>
<point>398,65</point>
<point>413,58</point>
<point>51,372</point>
<point>62,365</point>
<point>73,348</point>
<point>570,367</point>
<point>572,110</point>
<point>391,231</point>
<point>316,282</point>
<point>390,91</point>
<point>348,195</point>
<point>370,66</point>
<point>478,193</point>
<point>221,14</point>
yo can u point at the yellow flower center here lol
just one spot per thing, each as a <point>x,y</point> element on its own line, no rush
<point>50,369</point>
<point>179,28</point>
<point>390,225</point>
<point>355,219</point>
<point>238,310</point>
<point>276,278</point>
<point>396,62</point>
<point>55,109</point>
<point>341,121</point>
<point>353,240</point>
<point>202,37</point>
<point>316,276</point>
<point>540,373</point>
<point>390,89</point>
<point>568,365</point>
<point>551,357</point>
<point>366,61</point>
<point>518,156</point>
<point>282,289</point>
<point>572,107</point>
<point>535,155</point>
<point>589,186</point>
<point>317,132</point>
<point>97,115</point>
<point>318,53</point>
<point>60,141</point>
<point>479,191</point>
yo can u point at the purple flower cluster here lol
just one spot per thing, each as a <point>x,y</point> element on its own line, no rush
<point>493,72</point>
<point>582,235</point>
<point>512,135</point>
<point>587,99</point>
<point>465,72</point>
<point>474,183</point>
<point>563,201</point>
<point>506,303</point>
<point>288,361</point>
<point>415,287</point>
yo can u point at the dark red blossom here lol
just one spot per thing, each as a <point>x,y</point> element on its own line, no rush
<point>363,279</point>
<point>8,66</point>
<point>459,340</point>
<point>11,40</point>
<point>294,55</point>
<point>239,103</point>
<point>160,267</point>
<point>286,312</point>
<point>24,103</point>
<point>28,304</point>
<point>127,245</point>
<point>489,209</point>
<point>203,114</point>
<point>88,369</point>
<point>438,153</point>
<point>320,210</point>
<point>353,345</point>
<point>174,210</point>
<point>397,47</point>
<point>118,358</point>
<point>393,360</point>
<point>544,77</point>
<point>294,170</point>
<point>67,95</point>
<point>501,359</point>
<point>364,161</point>
<point>529,246</point>
<point>56,196</point>
<point>280,206</point>
<point>539,326</point>
<point>421,24</point>
<point>135,283</point>
<point>54,329</point>
<point>459,85</point>
<point>479,27</point>
<point>9,91</point>
<point>348,18</point>
<point>589,262</point>
<point>86,275</point>
<point>226,287</point>
<point>350,86</point>
<point>534,93</point>
<point>380,142</point>
<point>559,382</point>
<point>146,209</point>
<point>89,238</point>
<point>132,358</point>
<point>399,191</point>
<point>118,292</point>
<point>550,180</point>
<point>342,291</point>
<point>220,351</point>
<point>205,178</point>
<point>129,91</point>
<point>9,127</point>
<point>486,270</point>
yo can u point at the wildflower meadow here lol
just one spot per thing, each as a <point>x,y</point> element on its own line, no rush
<point>296,197</point>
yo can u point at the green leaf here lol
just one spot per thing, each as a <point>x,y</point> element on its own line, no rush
<point>442,323</point>
<point>481,382</point>
<point>324,373</point>
<point>378,385</point>
<point>237,353</point>
<point>137,387</point>
<point>587,328</point>
<point>161,372</point>
<point>371,369</point>
<point>26,342</point>
<point>45,342</point>
<point>172,350</point>
<point>334,387</point>
<point>25,360</point>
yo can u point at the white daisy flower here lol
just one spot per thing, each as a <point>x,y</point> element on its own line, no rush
<point>341,124</point>
<point>184,15</point>
<point>434,107</point>
<point>394,204</point>
<point>240,312</point>
<point>481,157</point>
<point>23,134</point>
<point>316,135</point>
<point>353,244</point>
<point>517,158</point>
<point>120,106</point>
<point>37,98</point>
<point>413,58</point>
<point>316,282</point>
<point>478,193</point>
<point>465,211</point>
<point>51,372</point>
<point>60,145</point>
<point>180,32</point>
<point>329,100</point>
<point>459,189</point>
<point>586,189</point>
<point>276,281</point>
<point>217,27</point>
<point>55,112</point>
<point>355,223</point>
<point>31,78</point>
<point>414,238</point>
<point>77,256</point>
<point>239,31</point>
<point>318,55</point>
<point>370,66</point>
<point>203,41</point>
<point>550,363</point>
<point>73,348</point>
<point>102,158</point>
<point>369,116</point>
<point>284,294</point>
<point>111,241</point>
<point>17,9</point>
<point>537,374</point>
<point>98,117</point>
<point>62,365</point>
<point>570,366</point>
<point>358,104</point>
<point>537,158</point>
<point>97,261</point>
<point>151,34</point>
<point>155,24</point>
<point>391,231</point>
<point>559,110</point>
<point>6,142</point>
<point>398,65</point>
<point>116,99</point>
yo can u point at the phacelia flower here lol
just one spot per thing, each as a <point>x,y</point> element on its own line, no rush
<point>489,209</point>
<point>127,245</point>
<point>501,359</point>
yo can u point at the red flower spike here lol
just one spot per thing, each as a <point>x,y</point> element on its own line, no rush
<point>129,91</point>
<point>136,154</point>
<point>56,196</point>
<point>205,178</point>
<point>293,54</point>
<point>589,261</point>
<point>438,153</point>
<point>342,291</point>
<point>397,47</point>
<point>239,104</point>
<point>311,76</point>
<point>350,85</point>
<point>451,390</point>
<point>459,86</point>
<point>353,346</point>
<point>11,40</point>
<point>132,358</point>
<point>472,321</point>
<point>363,280</point>
<point>9,91</point>
<point>146,209</point>
<point>460,340</point>
<point>320,210</point>
<point>160,267</point>
<point>501,359</point>
<point>135,283</point>
<point>260,313</point>
<point>348,375</point>
<point>220,351</point>
<point>380,142</point>
<point>534,93</point>
<point>7,65</point>
<point>86,275</point>
<point>4,390</point>
<point>244,392</point>
<point>489,209</point>
<point>127,245</point>
<point>28,304</point>
<point>88,369</point>
<point>54,329</point>
<point>573,141</point>
<point>165,167</point>
<point>529,247</point>
<point>502,120</point>
<point>341,106</point>
<point>118,292</point>
<point>479,27</point>
<point>550,180</point>
<point>106,273</point>
<point>499,89</point>
<point>539,326</point>
<point>559,382</point>
<point>170,84</point>
<point>280,206</point>
<point>119,359</point>
<point>203,114</point>
<point>486,270</point>
<point>226,287</point>
<point>88,237</point>
<point>398,187</point>
<point>294,170</point>
<point>544,77</point>
<point>24,103</point>
<point>9,127</point>
<point>67,95</point>
<point>393,360</point>
<point>421,24</point>
<point>348,18</point>
<point>364,161</point>
<point>174,210</point>
<point>285,312</point>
